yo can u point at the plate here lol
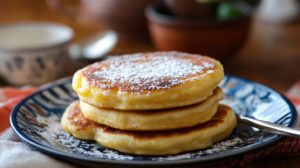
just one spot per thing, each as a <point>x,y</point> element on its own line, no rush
<point>36,120</point>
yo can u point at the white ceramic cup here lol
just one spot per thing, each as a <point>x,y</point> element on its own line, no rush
<point>34,52</point>
<point>38,52</point>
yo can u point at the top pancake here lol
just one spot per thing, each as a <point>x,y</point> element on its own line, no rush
<point>144,81</point>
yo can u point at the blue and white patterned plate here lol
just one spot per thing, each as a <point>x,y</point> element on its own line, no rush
<point>36,120</point>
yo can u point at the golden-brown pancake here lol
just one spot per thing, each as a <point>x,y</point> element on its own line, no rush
<point>146,81</point>
<point>154,119</point>
<point>151,142</point>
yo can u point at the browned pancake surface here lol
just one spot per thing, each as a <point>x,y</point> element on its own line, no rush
<point>75,116</point>
<point>148,71</point>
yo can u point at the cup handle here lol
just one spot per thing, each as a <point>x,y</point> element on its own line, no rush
<point>96,47</point>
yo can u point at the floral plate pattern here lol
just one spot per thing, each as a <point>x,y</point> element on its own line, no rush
<point>36,120</point>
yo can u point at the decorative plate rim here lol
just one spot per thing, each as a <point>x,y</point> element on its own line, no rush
<point>67,156</point>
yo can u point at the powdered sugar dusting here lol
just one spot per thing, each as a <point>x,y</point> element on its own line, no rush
<point>216,148</point>
<point>39,121</point>
<point>138,72</point>
<point>54,134</point>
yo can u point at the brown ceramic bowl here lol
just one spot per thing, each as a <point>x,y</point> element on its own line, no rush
<point>126,17</point>
<point>190,8</point>
<point>218,39</point>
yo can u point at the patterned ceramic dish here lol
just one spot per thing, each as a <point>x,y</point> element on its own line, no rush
<point>36,120</point>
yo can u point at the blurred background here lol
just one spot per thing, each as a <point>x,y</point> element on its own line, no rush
<point>258,40</point>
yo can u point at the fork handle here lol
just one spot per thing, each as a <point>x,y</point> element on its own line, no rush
<point>269,127</point>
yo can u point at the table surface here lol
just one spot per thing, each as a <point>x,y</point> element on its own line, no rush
<point>271,55</point>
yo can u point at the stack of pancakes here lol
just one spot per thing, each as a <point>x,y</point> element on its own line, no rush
<point>150,103</point>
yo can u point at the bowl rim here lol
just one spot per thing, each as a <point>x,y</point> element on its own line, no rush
<point>153,15</point>
<point>64,42</point>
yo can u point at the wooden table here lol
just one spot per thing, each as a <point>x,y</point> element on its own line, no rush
<point>271,55</point>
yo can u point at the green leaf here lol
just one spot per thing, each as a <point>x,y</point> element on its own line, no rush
<point>229,11</point>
